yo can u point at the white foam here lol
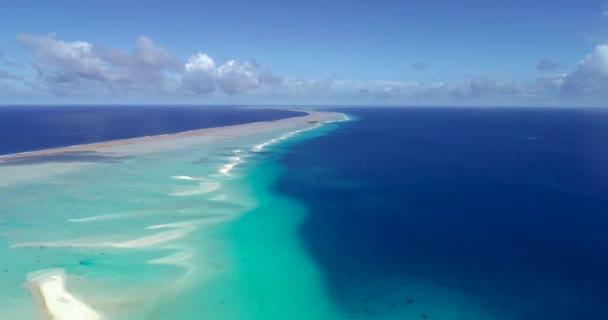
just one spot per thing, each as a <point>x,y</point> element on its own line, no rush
<point>259,147</point>
<point>48,287</point>
<point>234,161</point>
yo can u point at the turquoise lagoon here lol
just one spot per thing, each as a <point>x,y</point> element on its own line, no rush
<point>183,227</point>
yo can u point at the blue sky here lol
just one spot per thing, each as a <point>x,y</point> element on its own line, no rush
<point>306,52</point>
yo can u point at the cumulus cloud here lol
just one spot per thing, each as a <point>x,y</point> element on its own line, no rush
<point>203,76</point>
<point>73,59</point>
<point>80,67</point>
<point>269,78</point>
<point>590,76</point>
<point>200,62</point>
<point>149,54</point>
<point>547,65</point>
<point>237,77</point>
<point>199,75</point>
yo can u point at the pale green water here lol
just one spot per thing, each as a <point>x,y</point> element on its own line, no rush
<point>137,243</point>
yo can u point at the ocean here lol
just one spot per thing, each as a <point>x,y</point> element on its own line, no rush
<point>361,213</point>
<point>459,213</point>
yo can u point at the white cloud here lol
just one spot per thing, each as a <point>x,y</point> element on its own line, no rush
<point>237,77</point>
<point>80,67</point>
<point>200,62</point>
<point>590,78</point>
<point>596,61</point>
<point>202,76</point>
<point>75,58</point>
<point>591,75</point>
<point>270,79</point>
<point>199,75</point>
<point>150,54</point>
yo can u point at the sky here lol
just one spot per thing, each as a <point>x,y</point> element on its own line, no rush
<point>458,53</point>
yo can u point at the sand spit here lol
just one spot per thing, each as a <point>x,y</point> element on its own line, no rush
<point>212,134</point>
<point>39,165</point>
<point>55,302</point>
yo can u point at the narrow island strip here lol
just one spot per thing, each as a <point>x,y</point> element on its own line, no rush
<point>312,118</point>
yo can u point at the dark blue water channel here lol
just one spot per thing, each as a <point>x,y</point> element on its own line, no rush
<point>509,206</point>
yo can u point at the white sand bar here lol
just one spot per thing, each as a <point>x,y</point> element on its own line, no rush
<point>55,302</point>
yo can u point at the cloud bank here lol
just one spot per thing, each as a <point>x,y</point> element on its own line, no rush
<point>54,67</point>
<point>588,79</point>
<point>82,68</point>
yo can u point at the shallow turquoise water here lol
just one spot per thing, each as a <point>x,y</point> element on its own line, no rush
<point>165,234</point>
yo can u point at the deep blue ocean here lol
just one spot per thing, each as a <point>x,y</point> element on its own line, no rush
<point>509,206</point>
<point>37,128</point>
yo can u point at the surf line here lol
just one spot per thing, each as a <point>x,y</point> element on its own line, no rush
<point>259,147</point>
<point>232,162</point>
<point>238,159</point>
